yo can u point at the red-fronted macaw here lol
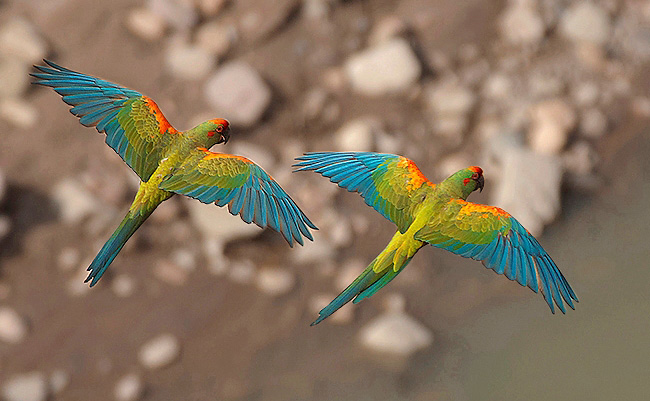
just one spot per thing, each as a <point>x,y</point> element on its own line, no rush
<point>171,162</point>
<point>436,214</point>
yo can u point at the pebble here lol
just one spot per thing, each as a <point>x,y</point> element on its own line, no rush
<point>216,223</point>
<point>68,258</point>
<point>74,201</point>
<point>238,93</point>
<point>188,61</point>
<point>580,158</point>
<point>180,14</point>
<point>146,24</point>
<point>59,380</point>
<point>19,113</point>
<point>31,386</point>
<point>20,41</point>
<point>184,258</point>
<point>385,68</point>
<point>585,94</point>
<point>497,86</point>
<point>585,21</point>
<point>379,335</point>
<point>522,24</point>
<point>551,123</point>
<point>170,273</point>
<point>242,271</point>
<point>216,38</point>
<point>123,285</point>
<point>13,328</point>
<point>275,281</point>
<point>450,99</point>
<point>593,123</point>
<point>386,29</point>
<point>129,388</point>
<point>159,352</point>
<point>357,135</point>
<point>14,81</point>
<point>314,252</point>
<point>640,106</point>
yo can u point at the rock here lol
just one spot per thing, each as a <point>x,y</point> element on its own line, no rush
<point>379,335</point>
<point>26,387</point>
<point>170,272</point>
<point>593,123</point>
<point>314,252</point>
<point>74,201</point>
<point>521,24</point>
<point>585,21</point>
<point>585,94</point>
<point>242,271</point>
<point>159,352</point>
<point>13,328</point>
<point>18,112</point>
<point>580,159</point>
<point>261,155</point>
<point>123,285</point>
<point>68,258</point>
<point>59,380</point>
<point>533,205</point>
<point>357,135</point>
<point>386,29</point>
<point>395,303</point>
<point>20,41</point>
<point>218,224</point>
<point>497,86</point>
<point>544,86</point>
<point>266,18</point>
<point>184,258</point>
<point>217,262</point>
<point>216,38</point>
<point>14,81</point>
<point>316,9</point>
<point>129,388</point>
<point>178,13</point>
<point>146,24</point>
<point>640,106</point>
<point>314,103</point>
<point>187,61</point>
<point>450,104</point>
<point>386,68</point>
<point>210,8</point>
<point>551,123</point>
<point>238,93</point>
<point>275,282</point>
<point>5,226</point>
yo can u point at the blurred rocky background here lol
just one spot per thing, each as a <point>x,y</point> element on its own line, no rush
<point>550,97</point>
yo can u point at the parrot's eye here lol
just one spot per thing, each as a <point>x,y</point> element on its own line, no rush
<point>220,128</point>
<point>475,176</point>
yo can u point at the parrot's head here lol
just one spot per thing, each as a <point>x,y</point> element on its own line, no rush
<point>211,132</point>
<point>470,179</point>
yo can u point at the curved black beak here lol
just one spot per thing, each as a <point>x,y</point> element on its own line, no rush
<point>223,139</point>
<point>480,183</point>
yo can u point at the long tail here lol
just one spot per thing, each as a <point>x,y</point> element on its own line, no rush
<point>380,272</point>
<point>115,243</point>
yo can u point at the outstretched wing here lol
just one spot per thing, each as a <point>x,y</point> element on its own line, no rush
<point>494,237</point>
<point>391,184</point>
<point>134,125</point>
<point>245,187</point>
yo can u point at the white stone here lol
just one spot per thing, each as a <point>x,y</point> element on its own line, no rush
<point>129,388</point>
<point>146,24</point>
<point>314,252</point>
<point>585,94</point>
<point>580,158</point>
<point>123,285</point>
<point>74,201</point>
<point>551,123</point>
<point>159,352</point>
<point>395,333</point>
<point>218,224</point>
<point>170,272</point>
<point>593,123</point>
<point>20,41</point>
<point>13,328</point>
<point>184,258</point>
<point>389,67</point>
<point>497,86</point>
<point>238,93</point>
<point>14,81</point>
<point>522,24</point>
<point>216,38</point>
<point>180,14</point>
<point>26,387</point>
<point>68,258</point>
<point>450,99</point>
<point>59,380</point>
<point>242,271</point>
<point>275,281</point>
<point>585,21</point>
<point>187,61</point>
<point>357,135</point>
<point>18,113</point>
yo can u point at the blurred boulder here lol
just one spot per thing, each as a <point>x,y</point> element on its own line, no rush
<point>217,223</point>
<point>388,67</point>
<point>522,24</point>
<point>216,38</point>
<point>59,380</point>
<point>26,387</point>
<point>275,281</point>
<point>593,123</point>
<point>74,201</point>
<point>129,388</point>
<point>20,41</point>
<point>180,14</point>
<point>13,328</point>
<point>18,113</point>
<point>14,77</point>
<point>551,123</point>
<point>395,333</point>
<point>357,135</point>
<point>585,21</point>
<point>146,24</point>
<point>188,61</point>
<point>159,352</point>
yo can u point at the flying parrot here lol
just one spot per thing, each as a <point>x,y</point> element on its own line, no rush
<point>439,215</point>
<point>171,162</point>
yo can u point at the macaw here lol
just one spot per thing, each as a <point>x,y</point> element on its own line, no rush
<point>439,215</point>
<point>171,162</point>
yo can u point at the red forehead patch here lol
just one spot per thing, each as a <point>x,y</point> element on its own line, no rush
<point>476,169</point>
<point>221,121</point>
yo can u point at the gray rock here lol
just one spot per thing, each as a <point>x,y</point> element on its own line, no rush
<point>316,9</point>
<point>585,21</point>
<point>379,335</point>
<point>450,99</point>
<point>146,24</point>
<point>74,201</point>
<point>129,388</point>
<point>386,29</point>
<point>275,281</point>
<point>68,258</point>
<point>580,159</point>
<point>20,41</point>
<point>593,123</point>
<point>14,79</point>
<point>170,273</point>
<point>389,67</point>
<point>26,387</point>
<point>497,86</point>
<point>13,328</point>
<point>357,135</point>
<point>216,38</point>
<point>19,113</point>
<point>180,14</point>
<point>314,252</point>
<point>218,224</point>
<point>159,352</point>
<point>242,272</point>
<point>123,285</point>
<point>59,380</point>
<point>522,24</point>
<point>585,94</point>
<point>187,61</point>
<point>551,123</point>
<point>184,258</point>
<point>238,93</point>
